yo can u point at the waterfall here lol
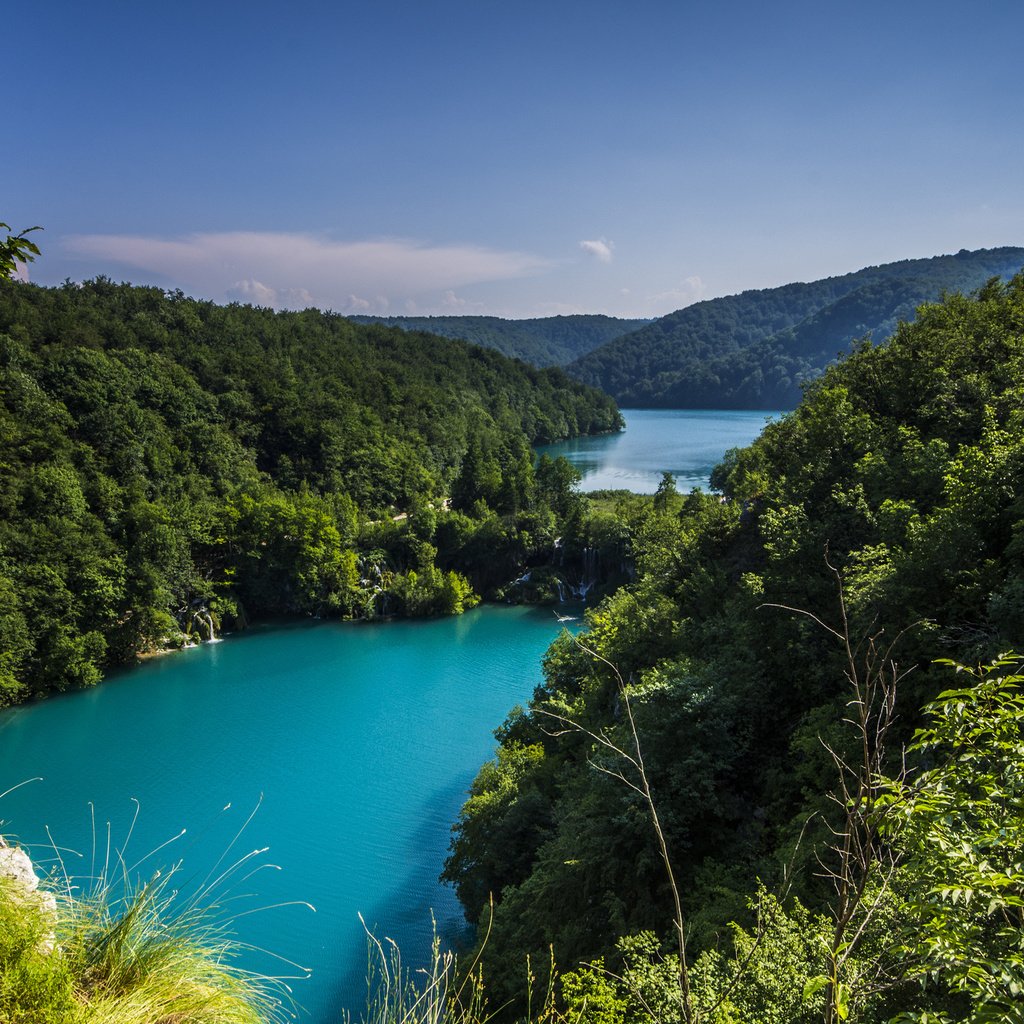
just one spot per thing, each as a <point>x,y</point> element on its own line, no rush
<point>587,577</point>
<point>202,619</point>
<point>208,619</point>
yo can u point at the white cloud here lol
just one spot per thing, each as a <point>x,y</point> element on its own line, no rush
<point>453,303</point>
<point>600,248</point>
<point>298,298</point>
<point>253,292</point>
<point>293,270</point>
<point>688,291</point>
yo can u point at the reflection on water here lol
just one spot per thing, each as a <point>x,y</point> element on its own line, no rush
<point>688,443</point>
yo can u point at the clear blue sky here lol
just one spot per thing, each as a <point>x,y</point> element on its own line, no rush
<point>515,158</point>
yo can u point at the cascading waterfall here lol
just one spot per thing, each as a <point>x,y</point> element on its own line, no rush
<point>587,580</point>
<point>590,560</point>
<point>201,619</point>
<point>212,633</point>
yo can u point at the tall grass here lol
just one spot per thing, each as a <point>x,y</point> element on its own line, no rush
<point>114,949</point>
<point>441,993</point>
<point>139,959</point>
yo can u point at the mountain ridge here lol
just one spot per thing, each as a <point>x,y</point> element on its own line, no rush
<point>543,341</point>
<point>757,348</point>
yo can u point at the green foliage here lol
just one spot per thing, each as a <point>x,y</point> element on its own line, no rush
<point>960,823</point>
<point>768,974</point>
<point>15,249</point>
<point>904,465</point>
<point>168,464</point>
<point>758,349</point>
<point>591,997</point>
<point>36,986</point>
<point>94,959</point>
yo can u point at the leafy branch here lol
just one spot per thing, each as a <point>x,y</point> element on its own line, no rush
<point>863,865</point>
<point>16,249</point>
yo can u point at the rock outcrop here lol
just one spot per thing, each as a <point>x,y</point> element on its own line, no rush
<point>15,863</point>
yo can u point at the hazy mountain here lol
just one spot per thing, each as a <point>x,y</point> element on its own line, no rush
<point>544,341</point>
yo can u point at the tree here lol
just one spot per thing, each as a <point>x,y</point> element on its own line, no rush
<point>960,825</point>
<point>667,495</point>
<point>16,249</point>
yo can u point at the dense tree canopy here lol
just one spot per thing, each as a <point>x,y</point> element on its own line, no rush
<point>903,468</point>
<point>168,464</point>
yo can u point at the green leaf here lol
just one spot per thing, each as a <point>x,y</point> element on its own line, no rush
<point>814,986</point>
<point>842,1001</point>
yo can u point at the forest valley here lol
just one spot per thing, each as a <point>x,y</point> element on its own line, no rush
<point>749,791</point>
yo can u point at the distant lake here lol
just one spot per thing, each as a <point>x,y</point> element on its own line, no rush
<point>688,443</point>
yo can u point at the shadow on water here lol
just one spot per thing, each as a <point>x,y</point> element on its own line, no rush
<point>406,916</point>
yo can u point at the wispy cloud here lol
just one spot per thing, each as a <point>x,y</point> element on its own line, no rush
<point>296,270</point>
<point>689,290</point>
<point>600,248</point>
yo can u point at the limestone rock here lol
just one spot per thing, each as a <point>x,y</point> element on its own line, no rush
<point>15,863</point>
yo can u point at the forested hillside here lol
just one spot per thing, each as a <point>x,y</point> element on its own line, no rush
<point>903,469</point>
<point>755,350</point>
<point>169,465</point>
<point>542,341</point>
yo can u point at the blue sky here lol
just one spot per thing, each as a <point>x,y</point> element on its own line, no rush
<point>515,159</point>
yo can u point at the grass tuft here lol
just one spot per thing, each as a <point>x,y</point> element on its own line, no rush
<point>137,959</point>
<point>125,952</point>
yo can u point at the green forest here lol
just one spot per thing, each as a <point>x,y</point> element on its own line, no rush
<point>753,692</point>
<point>172,467</point>
<point>756,350</point>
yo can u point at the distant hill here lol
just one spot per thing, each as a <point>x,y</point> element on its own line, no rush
<point>754,350</point>
<point>543,341</point>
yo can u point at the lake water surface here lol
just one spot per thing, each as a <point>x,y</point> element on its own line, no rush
<point>688,443</point>
<point>360,739</point>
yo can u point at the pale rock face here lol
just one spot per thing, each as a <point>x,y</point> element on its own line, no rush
<point>15,863</point>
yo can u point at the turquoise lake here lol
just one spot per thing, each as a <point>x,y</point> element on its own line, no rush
<point>688,443</point>
<point>360,739</point>
<point>356,742</point>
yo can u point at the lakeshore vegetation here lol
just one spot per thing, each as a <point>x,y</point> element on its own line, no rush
<point>887,508</point>
<point>172,466</point>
